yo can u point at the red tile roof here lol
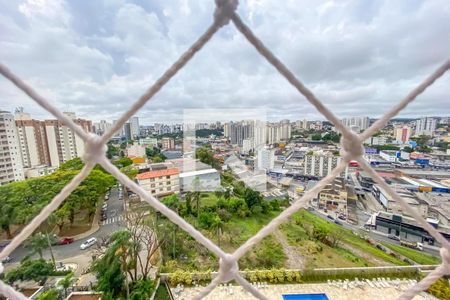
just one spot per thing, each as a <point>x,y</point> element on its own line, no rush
<point>157,173</point>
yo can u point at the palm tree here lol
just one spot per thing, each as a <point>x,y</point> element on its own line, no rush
<point>217,224</point>
<point>38,242</point>
<point>66,282</point>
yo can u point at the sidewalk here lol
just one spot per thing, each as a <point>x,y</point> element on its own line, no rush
<point>94,227</point>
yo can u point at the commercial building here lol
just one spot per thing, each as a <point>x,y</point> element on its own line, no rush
<point>390,155</point>
<point>167,143</point>
<point>334,196</point>
<point>266,159</point>
<point>320,165</point>
<point>407,228</point>
<point>11,168</point>
<point>160,183</point>
<point>402,133</point>
<point>425,126</point>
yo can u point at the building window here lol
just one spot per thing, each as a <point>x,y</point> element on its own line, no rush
<point>153,191</point>
<point>167,177</point>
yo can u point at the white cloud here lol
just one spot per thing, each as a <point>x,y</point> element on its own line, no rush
<point>358,57</point>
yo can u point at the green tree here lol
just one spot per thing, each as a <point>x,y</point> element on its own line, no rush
<point>38,242</point>
<point>142,289</point>
<point>66,283</point>
<point>217,225</point>
<point>316,137</point>
<point>252,198</point>
<point>123,162</point>
<point>37,270</point>
<point>50,294</point>
<point>408,149</point>
<point>7,216</point>
<point>206,155</point>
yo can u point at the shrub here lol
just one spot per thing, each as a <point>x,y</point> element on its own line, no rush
<point>440,289</point>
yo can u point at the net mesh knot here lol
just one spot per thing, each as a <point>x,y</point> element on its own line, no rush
<point>351,146</point>
<point>224,11</point>
<point>94,149</point>
<point>228,268</point>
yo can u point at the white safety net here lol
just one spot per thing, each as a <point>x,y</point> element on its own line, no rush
<point>351,149</point>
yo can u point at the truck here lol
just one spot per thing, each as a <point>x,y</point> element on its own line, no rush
<point>414,245</point>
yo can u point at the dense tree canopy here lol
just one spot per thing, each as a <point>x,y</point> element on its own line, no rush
<point>21,201</point>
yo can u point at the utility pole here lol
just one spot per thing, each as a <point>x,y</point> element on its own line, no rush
<point>51,250</point>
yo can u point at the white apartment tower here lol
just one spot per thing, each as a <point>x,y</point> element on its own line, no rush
<point>134,127</point>
<point>11,168</point>
<point>426,126</point>
<point>266,159</point>
<point>356,123</point>
<point>320,165</point>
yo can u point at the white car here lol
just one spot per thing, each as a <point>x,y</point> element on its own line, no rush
<point>88,243</point>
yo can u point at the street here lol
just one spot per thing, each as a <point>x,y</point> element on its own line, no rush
<point>112,223</point>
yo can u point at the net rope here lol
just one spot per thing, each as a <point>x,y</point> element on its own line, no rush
<point>351,149</point>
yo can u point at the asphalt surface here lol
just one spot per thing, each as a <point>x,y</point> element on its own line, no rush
<point>114,211</point>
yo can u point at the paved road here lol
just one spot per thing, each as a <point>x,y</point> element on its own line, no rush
<point>114,212</point>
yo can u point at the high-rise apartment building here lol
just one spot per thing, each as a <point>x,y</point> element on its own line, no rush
<point>320,165</point>
<point>402,133</point>
<point>134,127</point>
<point>247,145</point>
<point>168,143</point>
<point>426,126</point>
<point>63,143</point>
<point>266,159</point>
<point>11,168</point>
<point>239,131</point>
<point>127,131</point>
<point>285,130</point>
<point>102,127</point>
<point>356,124</point>
<point>33,140</point>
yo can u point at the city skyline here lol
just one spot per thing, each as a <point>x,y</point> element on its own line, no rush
<point>346,53</point>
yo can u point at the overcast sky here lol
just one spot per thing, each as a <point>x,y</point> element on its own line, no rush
<point>96,57</point>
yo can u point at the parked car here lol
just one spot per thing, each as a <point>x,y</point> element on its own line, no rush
<point>330,217</point>
<point>103,217</point>
<point>105,206</point>
<point>65,241</point>
<point>393,237</point>
<point>342,217</point>
<point>6,260</point>
<point>106,197</point>
<point>88,243</point>
<point>338,222</point>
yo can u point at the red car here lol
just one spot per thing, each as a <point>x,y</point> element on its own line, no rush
<point>65,241</point>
